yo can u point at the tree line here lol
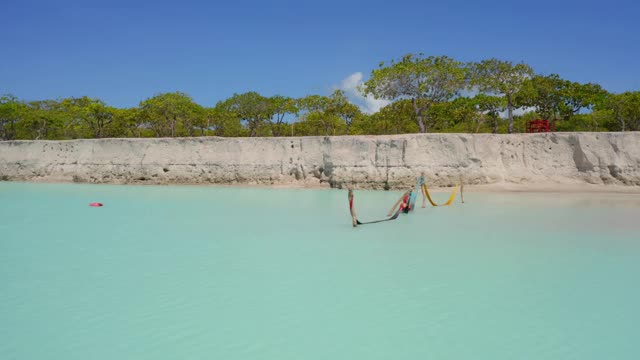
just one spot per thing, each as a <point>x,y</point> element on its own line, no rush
<point>424,94</point>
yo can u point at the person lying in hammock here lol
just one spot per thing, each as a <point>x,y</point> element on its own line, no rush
<point>405,207</point>
<point>407,201</point>
<point>404,203</point>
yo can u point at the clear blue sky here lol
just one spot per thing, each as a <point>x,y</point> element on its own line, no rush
<point>124,52</point>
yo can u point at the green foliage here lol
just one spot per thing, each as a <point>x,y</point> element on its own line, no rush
<point>129,123</point>
<point>11,111</point>
<point>578,96</point>
<point>621,111</point>
<point>43,119</point>
<point>544,93</point>
<point>395,118</point>
<point>339,106</point>
<point>582,122</point>
<point>490,108</point>
<point>554,99</point>
<point>426,81</point>
<point>325,116</point>
<point>281,107</point>
<point>251,108</point>
<point>426,94</point>
<point>171,114</point>
<point>93,113</point>
<point>463,115</point>
<point>320,124</point>
<point>502,78</point>
<point>220,122</point>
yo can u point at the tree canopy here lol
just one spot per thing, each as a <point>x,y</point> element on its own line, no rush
<point>171,114</point>
<point>501,78</point>
<point>425,81</point>
<point>425,94</point>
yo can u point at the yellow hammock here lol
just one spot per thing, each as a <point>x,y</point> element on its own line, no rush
<point>453,195</point>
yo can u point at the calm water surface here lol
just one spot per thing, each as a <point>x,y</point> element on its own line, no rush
<point>230,273</point>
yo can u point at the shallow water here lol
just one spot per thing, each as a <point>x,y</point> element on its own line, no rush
<point>230,273</point>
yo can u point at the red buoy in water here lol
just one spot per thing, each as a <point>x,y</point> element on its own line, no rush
<point>96,204</point>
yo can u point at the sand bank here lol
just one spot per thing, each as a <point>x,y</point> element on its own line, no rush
<point>519,162</point>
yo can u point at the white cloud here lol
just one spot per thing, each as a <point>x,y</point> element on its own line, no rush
<point>368,104</point>
<point>517,112</point>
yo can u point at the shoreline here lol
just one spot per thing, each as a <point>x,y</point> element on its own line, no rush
<point>578,188</point>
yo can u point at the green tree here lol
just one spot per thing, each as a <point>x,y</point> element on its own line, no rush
<point>281,107</point>
<point>128,123</point>
<point>578,96</point>
<point>458,115</point>
<point>313,103</point>
<point>11,110</point>
<point>92,113</point>
<point>462,115</point>
<point>42,119</point>
<point>253,109</point>
<point>338,105</point>
<point>321,116</point>
<point>321,124</point>
<point>544,94</point>
<point>554,98</point>
<point>395,118</point>
<point>624,109</point>
<point>194,119</point>
<point>491,107</point>
<point>503,78</point>
<point>223,123</point>
<point>170,114</point>
<point>424,81</point>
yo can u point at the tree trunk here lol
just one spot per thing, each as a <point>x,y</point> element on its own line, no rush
<point>419,119</point>
<point>510,111</point>
<point>421,124</point>
<point>42,129</point>
<point>276,129</point>
<point>252,128</point>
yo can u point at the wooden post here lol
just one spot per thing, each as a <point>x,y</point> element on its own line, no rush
<point>424,193</point>
<point>351,209</point>
<point>462,188</point>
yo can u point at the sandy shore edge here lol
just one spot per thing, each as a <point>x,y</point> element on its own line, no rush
<point>484,188</point>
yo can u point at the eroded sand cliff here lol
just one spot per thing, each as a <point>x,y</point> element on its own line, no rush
<point>359,161</point>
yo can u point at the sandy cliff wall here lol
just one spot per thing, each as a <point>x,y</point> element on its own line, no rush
<point>363,161</point>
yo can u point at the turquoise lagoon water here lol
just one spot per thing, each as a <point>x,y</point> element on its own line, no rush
<point>233,273</point>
